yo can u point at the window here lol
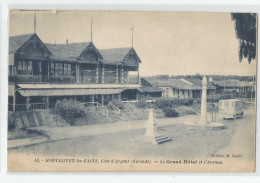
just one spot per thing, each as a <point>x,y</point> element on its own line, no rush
<point>226,103</point>
<point>52,69</point>
<point>182,92</point>
<point>69,69</point>
<point>39,67</point>
<point>65,69</point>
<point>25,68</point>
<point>57,66</point>
<point>30,68</point>
<point>20,65</point>
<point>61,70</point>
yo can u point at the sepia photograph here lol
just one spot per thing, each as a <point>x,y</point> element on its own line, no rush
<point>132,91</point>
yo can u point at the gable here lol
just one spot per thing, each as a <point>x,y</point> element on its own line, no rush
<point>132,59</point>
<point>33,47</point>
<point>90,54</point>
<point>15,42</point>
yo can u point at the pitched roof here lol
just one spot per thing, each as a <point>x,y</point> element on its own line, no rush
<point>114,54</point>
<point>15,42</point>
<point>67,51</point>
<point>232,83</point>
<point>70,51</point>
<point>197,82</point>
<point>173,83</point>
<point>149,89</point>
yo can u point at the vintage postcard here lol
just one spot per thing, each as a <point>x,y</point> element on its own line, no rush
<point>132,91</point>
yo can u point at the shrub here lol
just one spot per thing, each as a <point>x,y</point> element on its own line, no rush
<point>170,112</point>
<point>141,104</point>
<point>162,102</point>
<point>169,102</point>
<point>69,110</point>
<point>118,104</point>
<point>187,102</point>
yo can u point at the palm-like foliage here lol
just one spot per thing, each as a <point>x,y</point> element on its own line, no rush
<point>245,26</point>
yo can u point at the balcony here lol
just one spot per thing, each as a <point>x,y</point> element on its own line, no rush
<point>28,78</point>
<point>41,79</point>
<point>62,79</point>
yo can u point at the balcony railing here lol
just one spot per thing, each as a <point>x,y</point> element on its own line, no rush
<point>28,78</point>
<point>68,79</point>
<point>41,79</point>
<point>62,79</point>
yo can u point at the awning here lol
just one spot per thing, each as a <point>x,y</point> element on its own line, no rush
<point>68,92</point>
<point>70,86</point>
<point>148,89</point>
<point>10,90</point>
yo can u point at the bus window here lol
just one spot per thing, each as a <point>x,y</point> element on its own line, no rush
<point>226,103</point>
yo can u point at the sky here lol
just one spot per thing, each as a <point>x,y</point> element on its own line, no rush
<point>168,43</point>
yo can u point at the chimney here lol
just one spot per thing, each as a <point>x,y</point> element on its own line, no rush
<point>67,41</point>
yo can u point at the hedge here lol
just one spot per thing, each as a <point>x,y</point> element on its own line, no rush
<point>170,112</point>
<point>161,103</point>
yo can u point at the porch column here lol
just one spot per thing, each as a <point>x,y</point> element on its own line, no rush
<point>27,103</point>
<point>77,74</point>
<point>48,71</point>
<point>127,77</point>
<point>117,74</point>
<point>122,75</point>
<point>103,71</point>
<point>102,99</point>
<point>14,98</point>
<point>47,102</point>
<point>138,79</point>
<point>97,74</point>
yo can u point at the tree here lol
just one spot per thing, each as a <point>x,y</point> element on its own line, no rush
<point>245,26</point>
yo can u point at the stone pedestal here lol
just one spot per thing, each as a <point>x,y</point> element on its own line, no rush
<point>151,135</point>
<point>203,117</point>
<point>150,126</point>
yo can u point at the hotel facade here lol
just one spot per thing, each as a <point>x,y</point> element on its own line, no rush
<point>42,73</point>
